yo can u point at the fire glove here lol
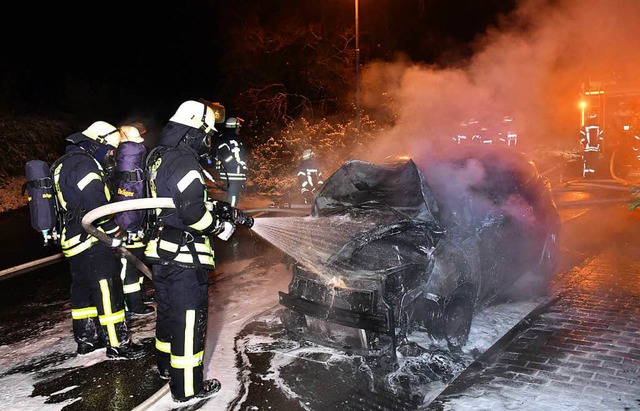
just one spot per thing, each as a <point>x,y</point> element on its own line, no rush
<point>223,210</point>
<point>233,215</point>
<point>227,230</point>
<point>116,240</point>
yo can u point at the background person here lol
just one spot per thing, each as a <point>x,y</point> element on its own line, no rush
<point>309,176</point>
<point>232,159</point>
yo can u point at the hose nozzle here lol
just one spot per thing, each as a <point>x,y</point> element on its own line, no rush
<point>246,221</point>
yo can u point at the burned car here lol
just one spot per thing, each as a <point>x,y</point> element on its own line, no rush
<point>428,244</point>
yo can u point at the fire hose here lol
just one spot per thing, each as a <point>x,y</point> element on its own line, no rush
<point>615,183</point>
<point>52,259</point>
<point>235,218</point>
<point>117,207</point>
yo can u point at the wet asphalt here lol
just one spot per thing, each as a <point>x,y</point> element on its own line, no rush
<point>36,301</point>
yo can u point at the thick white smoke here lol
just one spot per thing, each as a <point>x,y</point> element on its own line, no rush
<point>531,66</point>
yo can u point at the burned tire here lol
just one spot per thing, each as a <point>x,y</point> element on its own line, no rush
<point>456,321</point>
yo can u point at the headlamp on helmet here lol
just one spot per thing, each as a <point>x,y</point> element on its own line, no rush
<point>307,154</point>
<point>233,122</point>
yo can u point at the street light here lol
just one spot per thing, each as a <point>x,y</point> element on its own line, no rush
<point>357,70</point>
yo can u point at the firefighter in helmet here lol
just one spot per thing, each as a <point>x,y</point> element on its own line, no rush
<point>97,301</point>
<point>231,159</point>
<point>181,250</point>
<point>309,176</point>
<point>592,140</point>
<point>507,133</point>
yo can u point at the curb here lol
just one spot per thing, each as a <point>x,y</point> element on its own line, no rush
<point>469,376</point>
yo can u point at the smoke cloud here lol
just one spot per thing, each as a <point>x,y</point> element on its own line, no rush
<point>531,67</point>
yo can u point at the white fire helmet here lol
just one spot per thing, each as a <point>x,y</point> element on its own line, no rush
<point>103,133</point>
<point>130,133</point>
<point>307,154</point>
<point>195,114</point>
<point>233,122</point>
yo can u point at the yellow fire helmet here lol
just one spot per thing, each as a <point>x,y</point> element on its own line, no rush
<point>130,133</point>
<point>195,114</point>
<point>103,133</point>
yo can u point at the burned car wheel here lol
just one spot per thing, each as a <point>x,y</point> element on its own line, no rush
<point>425,316</point>
<point>456,321</point>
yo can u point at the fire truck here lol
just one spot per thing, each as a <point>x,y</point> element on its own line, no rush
<point>610,125</point>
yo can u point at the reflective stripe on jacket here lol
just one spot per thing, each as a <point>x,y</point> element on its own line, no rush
<point>177,174</point>
<point>80,187</point>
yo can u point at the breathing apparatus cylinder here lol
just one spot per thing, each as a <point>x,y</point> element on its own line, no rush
<point>42,200</point>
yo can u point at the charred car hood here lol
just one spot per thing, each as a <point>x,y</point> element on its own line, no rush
<point>395,211</point>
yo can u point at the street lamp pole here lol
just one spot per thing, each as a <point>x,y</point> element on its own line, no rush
<point>357,70</point>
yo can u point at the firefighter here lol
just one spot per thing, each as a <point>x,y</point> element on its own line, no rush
<point>181,251</point>
<point>129,184</point>
<point>461,134</point>
<point>591,140</point>
<point>97,301</point>
<point>476,131</point>
<point>507,133</point>
<point>309,176</point>
<point>231,159</point>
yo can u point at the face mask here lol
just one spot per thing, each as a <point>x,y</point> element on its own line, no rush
<point>205,145</point>
<point>107,158</point>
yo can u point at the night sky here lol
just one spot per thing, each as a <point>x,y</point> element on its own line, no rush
<point>145,58</point>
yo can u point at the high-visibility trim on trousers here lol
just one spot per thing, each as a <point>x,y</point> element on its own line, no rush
<point>83,313</point>
<point>109,319</point>
<point>190,359</point>
<point>162,346</point>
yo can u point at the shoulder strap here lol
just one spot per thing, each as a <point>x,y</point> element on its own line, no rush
<point>66,156</point>
<point>155,154</point>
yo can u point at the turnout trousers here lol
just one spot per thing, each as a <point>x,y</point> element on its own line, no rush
<point>97,300</point>
<point>182,306</point>
<point>234,188</point>
<point>133,279</point>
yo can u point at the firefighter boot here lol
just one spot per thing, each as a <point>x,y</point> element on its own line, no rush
<point>88,335</point>
<point>135,306</point>
<point>163,364</point>
<point>87,347</point>
<point>209,389</point>
<point>128,350</point>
